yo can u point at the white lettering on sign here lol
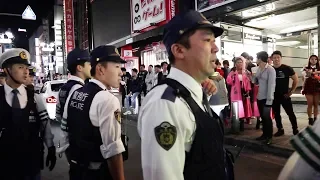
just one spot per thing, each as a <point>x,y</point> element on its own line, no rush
<point>252,36</point>
<point>77,100</point>
<point>173,8</point>
<point>145,12</point>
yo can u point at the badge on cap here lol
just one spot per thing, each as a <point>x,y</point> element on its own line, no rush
<point>116,50</point>
<point>203,16</point>
<point>23,55</point>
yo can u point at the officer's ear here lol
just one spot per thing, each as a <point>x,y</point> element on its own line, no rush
<point>178,51</point>
<point>101,68</point>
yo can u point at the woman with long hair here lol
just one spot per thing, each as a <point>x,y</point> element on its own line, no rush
<point>311,87</point>
<point>239,81</point>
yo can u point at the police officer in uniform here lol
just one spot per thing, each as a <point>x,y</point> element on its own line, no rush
<point>93,121</point>
<point>78,61</point>
<point>184,139</point>
<point>2,77</point>
<point>29,81</point>
<point>304,163</point>
<point>24,122</point>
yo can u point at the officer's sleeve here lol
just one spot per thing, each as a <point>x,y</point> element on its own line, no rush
<point>44,118</point>
<point>58,107</point>
<point>162,141</point>
<point>304,163</point>
<point>64,141</point>
<point>109,117</point>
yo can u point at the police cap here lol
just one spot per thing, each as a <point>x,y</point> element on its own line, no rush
<point>15,56</point>
<point>185,22</point>
<point>32,71</point>
<point>105,54</point>
<point>77,55</point>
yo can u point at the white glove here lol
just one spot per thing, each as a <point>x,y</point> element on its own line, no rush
<point>122,83</point>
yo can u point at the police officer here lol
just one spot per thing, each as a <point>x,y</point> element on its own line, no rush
<point>93,121</point>
<point>2,77</point>
<point>184,139</point>
<point>304,163</point>
<point>29,81</point>
<point>24,122</point>
<point>78,61</point>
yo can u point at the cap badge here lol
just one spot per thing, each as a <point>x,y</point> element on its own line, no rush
<point>181,32</point>
<point>98,59</point>
<point>203,16</point>
<point>23,55</point>
<point>116,50</point>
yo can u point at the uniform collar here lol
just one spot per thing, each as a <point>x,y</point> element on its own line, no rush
<point>99,83</point>
<point>76,78</point>
<point>187,81</point>
<point>8,89</point>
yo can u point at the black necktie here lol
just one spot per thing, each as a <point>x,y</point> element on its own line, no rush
<point>15,100</point>
<point>205,102</point>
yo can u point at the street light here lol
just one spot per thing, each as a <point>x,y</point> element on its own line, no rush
<point>52,44</point>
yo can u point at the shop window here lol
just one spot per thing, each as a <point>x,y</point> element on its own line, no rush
<point>154,56</point>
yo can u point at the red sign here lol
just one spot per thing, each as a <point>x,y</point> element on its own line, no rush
<point>69,25</point>
<point>150,14</point>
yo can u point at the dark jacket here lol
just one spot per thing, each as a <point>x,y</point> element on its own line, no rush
<point>135,85</point>
<point>160,77</point>
<point>126,78</point>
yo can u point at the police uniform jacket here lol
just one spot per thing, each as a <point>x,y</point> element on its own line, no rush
<point>76,86</point>
<point>44,117</point>
<point>304,163</point>
<point>103,111</point>
<point>21,145</point>
<point>168,163</point>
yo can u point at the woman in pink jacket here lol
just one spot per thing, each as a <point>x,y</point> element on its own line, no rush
<point>239,80</point>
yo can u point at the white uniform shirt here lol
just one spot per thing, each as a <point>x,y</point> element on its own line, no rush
<point>102,115</point>
<point>76,86</point>
<point>158,163</point>
<point>297,168</point>
<point>43,114</point>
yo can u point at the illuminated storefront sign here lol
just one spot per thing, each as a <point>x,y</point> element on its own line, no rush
<point>69,25</point>
<point>205,5</point>
<point>149,14</point>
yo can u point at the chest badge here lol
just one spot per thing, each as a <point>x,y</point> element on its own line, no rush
<point>117,115</point>
<point>166,135</point>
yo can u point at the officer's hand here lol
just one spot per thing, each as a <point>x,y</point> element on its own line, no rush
<point>51,158</point>
<point>209,87</point>
<point>217,78</point>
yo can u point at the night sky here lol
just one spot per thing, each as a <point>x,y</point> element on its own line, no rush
<point>41,9</point>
